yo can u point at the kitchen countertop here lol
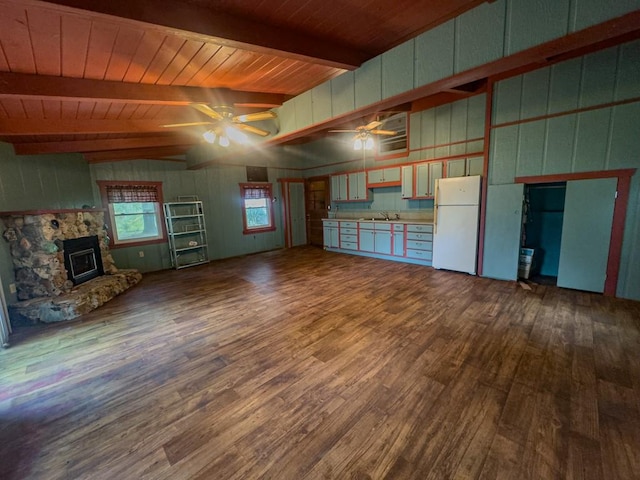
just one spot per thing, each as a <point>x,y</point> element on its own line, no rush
<point>380,220</point>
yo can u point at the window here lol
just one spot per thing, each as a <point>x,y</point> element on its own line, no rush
<point>257,211</point>
<point>133,212</point>
<point>398,143</point>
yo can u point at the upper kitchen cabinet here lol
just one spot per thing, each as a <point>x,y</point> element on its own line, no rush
<point>357,183</point>
<point>339,188</point>
<point>465,167</point>
<point>426,175</point>
<point>383,177</point>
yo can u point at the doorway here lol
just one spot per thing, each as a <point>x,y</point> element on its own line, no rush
<point>542,229</point>
<point>316,202</point>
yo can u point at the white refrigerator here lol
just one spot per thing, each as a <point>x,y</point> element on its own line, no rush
<point>455,224</point>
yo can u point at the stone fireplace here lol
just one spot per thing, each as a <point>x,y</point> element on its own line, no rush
<point>63,267</point>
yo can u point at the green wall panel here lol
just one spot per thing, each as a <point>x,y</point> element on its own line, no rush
<point>434,54</point>
<point>586,13</point>
<point>369,82</point>
<point>321,96</point>
<point>531,22</point>
<point>476,116</point>
<point>627,84</point>
<point>287,117</point>
<point>343,93</point>
<point>304,109</point>
<point>598,78</point>
<point>504,152</point>
<point>506,101</point>
<point>559,144</point>
<point>625,138</point>
<point>591,140</point>
<point>397,69</point>
<point>530,148</point>
<point>535,92</point>
<point>565,86</point>
<point>480,35</point>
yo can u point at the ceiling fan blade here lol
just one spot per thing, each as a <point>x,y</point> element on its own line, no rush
<point>207,110</point>
<point>343,131</point>
<point>372,125</point>
<point>191,124</point>
<point>251,129</point>
<point>384,132</point>
<point>255,117</point>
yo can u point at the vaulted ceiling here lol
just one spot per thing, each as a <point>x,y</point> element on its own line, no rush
<point>102,78</point>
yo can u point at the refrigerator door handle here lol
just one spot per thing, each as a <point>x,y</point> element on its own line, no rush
<point>435,207</point>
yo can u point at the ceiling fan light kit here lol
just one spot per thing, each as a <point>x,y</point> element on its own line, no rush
<point>363,139</point>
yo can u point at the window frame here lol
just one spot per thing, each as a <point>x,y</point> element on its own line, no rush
<point>246,230</point>
<point>109,216</point>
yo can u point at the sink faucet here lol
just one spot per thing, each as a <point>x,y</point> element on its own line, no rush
<point>385,215</point>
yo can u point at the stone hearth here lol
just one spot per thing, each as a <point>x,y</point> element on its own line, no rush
<point>45,291</point>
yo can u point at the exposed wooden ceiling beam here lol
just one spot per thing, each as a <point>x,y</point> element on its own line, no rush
<point>153,153</point>
<point>210,25</point>
<point>74,146</point>
<point>70,126</point>
<point>64,88</point>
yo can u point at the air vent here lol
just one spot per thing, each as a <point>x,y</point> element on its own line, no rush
<point>398,143</point>
<point>257,174</point>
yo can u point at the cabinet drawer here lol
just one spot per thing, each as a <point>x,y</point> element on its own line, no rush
<point>383,226</point>
<point>366,225</point>
<point>348,224</point>
<point>348,238</point>
<point>348,231</point>
<point>419,254</point>
<point>420,228</point>
<point>419,236</point>
<point>330,223</point>
<point>419,245</point>
<point>349,245</point>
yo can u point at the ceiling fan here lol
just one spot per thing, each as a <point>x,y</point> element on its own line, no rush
<point>226,125</point>
<point>363,139</point>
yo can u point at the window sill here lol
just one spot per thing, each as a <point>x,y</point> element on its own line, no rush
<point>141,243</point>
<point>258,230</point>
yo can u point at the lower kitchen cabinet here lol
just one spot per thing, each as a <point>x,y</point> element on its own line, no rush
<point>331,234</point>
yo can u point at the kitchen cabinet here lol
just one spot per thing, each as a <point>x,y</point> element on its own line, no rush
<point>357,186</point>
<point>331,236</point>
<point>375,237</point>
<point>388,177</point>
<point>338,188</point>
<point>349,235</point>
<point>398,239</point>
<point>465,167</point>
<point>420,242</point>
<point>426,175</point>
<point>187,233</point>
<point>407,181</point>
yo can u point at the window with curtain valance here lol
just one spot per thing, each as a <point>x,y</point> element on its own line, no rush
<point>257,209</point>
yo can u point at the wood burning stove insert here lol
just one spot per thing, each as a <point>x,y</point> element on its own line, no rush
<point>82,259</point>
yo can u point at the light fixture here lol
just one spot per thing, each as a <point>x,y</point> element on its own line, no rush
<point>209,136</point>
<point>363,141</point>
<point>236,135</point>
<point>223,141</point>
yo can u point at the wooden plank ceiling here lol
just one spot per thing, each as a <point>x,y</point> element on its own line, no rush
<point>101,78</point>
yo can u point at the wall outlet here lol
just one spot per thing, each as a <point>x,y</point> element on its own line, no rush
<point>12,288</point>
<point>141,254</point>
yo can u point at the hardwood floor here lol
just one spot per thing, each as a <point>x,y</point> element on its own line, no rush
<point>303,364</point>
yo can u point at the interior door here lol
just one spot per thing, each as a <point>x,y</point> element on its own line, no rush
<point>586,233</point>
<point>298,221</point>
<point>503,226</point>
<point>316,200</point>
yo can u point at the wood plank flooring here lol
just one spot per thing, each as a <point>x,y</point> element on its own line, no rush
<point>303,364</point>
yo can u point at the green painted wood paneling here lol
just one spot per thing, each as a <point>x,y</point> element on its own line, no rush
<point>397,69</point>
<point>586,234</point>
<point>627,84</point>
<point>532,22</point>
<point>434,54</point>
<point>535,91</point>
<point>287,117</point>
<point>321,96</point>
<point>629,280</point>
<point>506,101</point>
<point>559,145</point>
<point>476,116</point>
<point>304,108</point>
<point>343,93</point>
<point>530,148</point>
<point>502,231</point>
<point>624,150</point>
<point>480,35</point>
<point>458,126</point>
<point>368,84</point>
<point>598,78</point>
<point>591,140</point>
<point>565,86</point>
<point>443,129</point>
<point>504,152</point>
<point>586,13</point>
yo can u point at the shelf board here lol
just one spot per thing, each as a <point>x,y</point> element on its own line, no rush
<point>190,248</point>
